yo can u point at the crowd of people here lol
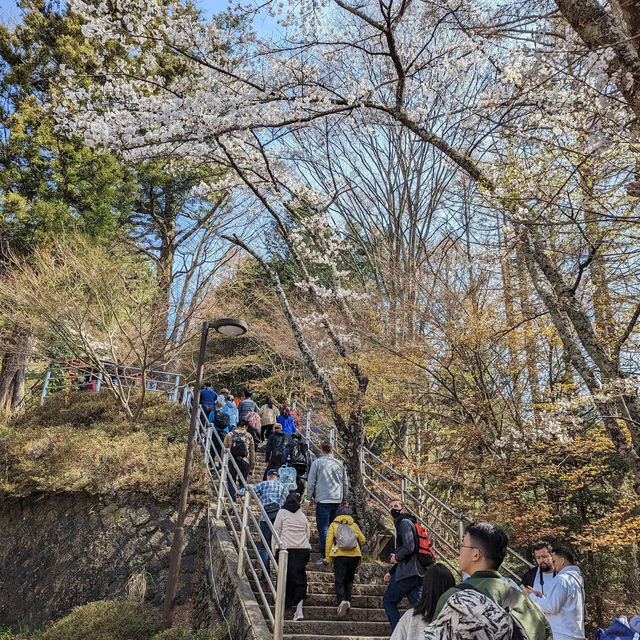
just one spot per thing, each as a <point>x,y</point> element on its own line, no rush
<point>548,602</point>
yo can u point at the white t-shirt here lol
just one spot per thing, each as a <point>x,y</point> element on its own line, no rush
<point>410,627</point>
<point>545,586</point>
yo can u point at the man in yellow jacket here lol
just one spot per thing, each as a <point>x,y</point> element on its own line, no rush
<point>342,547</point>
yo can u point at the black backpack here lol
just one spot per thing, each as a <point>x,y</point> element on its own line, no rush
<point>220,421</point>
<point>278,442</point>
<point>239,448</point>
<point>297,453</point>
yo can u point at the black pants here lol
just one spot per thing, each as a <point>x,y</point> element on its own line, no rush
<point>297,576</point>
<point>216,444</point>
<point>243,465</point>
<point>265,431</point>
<point>255,434</point>
<point>345,572</point>
<point>301,470</point>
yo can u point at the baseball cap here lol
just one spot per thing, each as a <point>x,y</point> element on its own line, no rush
<point>273,472</point>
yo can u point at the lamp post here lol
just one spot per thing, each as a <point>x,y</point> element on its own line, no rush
<point>229,327</point>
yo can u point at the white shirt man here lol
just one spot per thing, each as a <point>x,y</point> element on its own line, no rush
<point>564,603</point>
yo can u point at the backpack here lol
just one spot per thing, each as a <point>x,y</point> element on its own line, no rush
<point>288,477</point>
<point>620,629</point>
<point>426,554</point>
<point>239,448</point>
<point>469,614</point>
<point>346,538</point>
<point>220,421</point>
<point>297,454</point>
<point>491,609</point>
<point>277,441</point>
<point>254,421</point>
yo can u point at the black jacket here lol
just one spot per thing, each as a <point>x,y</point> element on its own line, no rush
<point>405,549</point>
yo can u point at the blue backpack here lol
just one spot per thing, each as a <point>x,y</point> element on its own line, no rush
<point>620,630</point>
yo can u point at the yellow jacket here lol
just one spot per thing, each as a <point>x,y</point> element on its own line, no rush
<point>331,547</point>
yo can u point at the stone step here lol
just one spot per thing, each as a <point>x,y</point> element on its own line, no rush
<point>328,599</point>
<point>332,628</point>
<point>358,589</point>
<point>356,614</point>
<point>357,601</point>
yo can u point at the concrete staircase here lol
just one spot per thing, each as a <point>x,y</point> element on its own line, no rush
<point>365,621</point>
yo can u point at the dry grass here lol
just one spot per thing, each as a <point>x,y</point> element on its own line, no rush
<point>89,447</point>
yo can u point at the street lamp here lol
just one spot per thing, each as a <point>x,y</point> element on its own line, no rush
<point>229,327</point>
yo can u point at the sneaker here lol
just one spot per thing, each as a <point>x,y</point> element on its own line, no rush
<point>321,561</point>
<point>298,615</point>
<point>343,607</point>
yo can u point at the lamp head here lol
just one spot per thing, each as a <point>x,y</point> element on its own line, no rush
<point>230,327</point>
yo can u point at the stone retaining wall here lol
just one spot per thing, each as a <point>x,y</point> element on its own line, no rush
<point>60,551</point>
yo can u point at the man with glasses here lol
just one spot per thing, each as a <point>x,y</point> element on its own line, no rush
<point>482,551</point>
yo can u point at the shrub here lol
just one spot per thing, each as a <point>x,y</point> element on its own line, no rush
<point>184,633</point>
<point>107,620</point>
<point>89,446</point>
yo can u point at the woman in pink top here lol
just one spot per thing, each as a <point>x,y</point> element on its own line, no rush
<point>294,530</point>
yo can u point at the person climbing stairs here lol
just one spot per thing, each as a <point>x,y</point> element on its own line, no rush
<point>366,619</point>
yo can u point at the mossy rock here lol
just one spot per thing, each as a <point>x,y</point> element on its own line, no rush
<point>184,633</point>
<point>107,620</point>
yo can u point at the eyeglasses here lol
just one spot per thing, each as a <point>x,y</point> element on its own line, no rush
<point>465,546</point>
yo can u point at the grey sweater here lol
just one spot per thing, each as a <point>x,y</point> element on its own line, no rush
<point>327,480</point>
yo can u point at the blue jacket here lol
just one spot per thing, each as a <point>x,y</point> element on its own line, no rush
<point>208,396</point>
<point>288,424</point>
<point>230,406</point>
<point>246,407</point>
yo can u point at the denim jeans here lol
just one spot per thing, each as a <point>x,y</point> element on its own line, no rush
<point>325,514</point>
<point>396,590</point>
<point>264,554</point>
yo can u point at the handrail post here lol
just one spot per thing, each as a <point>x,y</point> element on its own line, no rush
<point>332,436</point>
<point>461,531</point>
<point>223,479</point>
<point>175,389</point>
<point>403,489</point>
<point>99,383</point>
<point>243,533</point>
<point>278,613</point>
<point>362,461</point>
<point>308,428</point>
<point>45,385</point>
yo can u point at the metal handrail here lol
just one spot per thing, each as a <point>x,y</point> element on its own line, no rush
<point>319,425</point>
<point>246,521</point>
<point>58,378</point>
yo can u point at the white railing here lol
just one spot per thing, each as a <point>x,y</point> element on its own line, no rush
<point>383,483</point>
<point>68,376</point>
<point>243,525</point>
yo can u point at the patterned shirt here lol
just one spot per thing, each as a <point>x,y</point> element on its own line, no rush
<point>271,491</point>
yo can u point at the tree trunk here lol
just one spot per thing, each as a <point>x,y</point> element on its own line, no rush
<point>529,340</point>
<point>351,431</point>
<point>14,368</point>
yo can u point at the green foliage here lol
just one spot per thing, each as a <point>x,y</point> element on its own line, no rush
<point>184,633</point>
<point>49,184</point>
<point>90,446</point>
<point>107,620</point>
